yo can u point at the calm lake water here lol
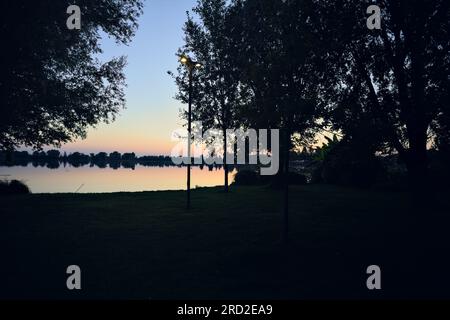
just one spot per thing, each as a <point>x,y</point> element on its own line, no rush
<point>93,179</point>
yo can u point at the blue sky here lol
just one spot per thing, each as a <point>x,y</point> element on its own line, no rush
<point>151,113</point>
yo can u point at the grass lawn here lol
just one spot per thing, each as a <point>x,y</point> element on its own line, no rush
<point>147,246</point>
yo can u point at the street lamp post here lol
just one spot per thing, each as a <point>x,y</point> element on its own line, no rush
<point>191,65</point>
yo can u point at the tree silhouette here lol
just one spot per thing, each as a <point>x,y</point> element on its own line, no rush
<point>389,86</point>
<point>272,52</point>
<point>51,85</point>
<point>216,90</point>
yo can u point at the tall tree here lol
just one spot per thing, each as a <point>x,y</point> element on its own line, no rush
<point>52,86</point>
<point>216,90</point>
<point>273,55</point>
<point>392,81</point>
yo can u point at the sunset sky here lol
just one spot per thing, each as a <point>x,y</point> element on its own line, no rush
<point>151,113</point>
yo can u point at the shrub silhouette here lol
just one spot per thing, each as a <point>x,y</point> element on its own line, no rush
<point>251,178</point>
<point>247,178</point>
<point>14,187</point>
<point>350,164</point>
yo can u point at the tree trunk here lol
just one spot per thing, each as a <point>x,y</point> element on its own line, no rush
<point>418,182</point>
<point>188,180</point>
<point>417,165</point>
<point>287,144</point>
<point>225,166</point>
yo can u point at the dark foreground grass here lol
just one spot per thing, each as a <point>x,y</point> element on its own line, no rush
<point>147,246</point>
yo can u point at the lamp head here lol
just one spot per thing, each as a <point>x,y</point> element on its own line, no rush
<point>184,59</point>
<point>187,61</point>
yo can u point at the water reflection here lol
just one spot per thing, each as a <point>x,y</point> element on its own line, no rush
<point>52,177</point>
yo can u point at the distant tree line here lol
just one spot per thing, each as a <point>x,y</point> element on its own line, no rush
<point>54,158</point>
